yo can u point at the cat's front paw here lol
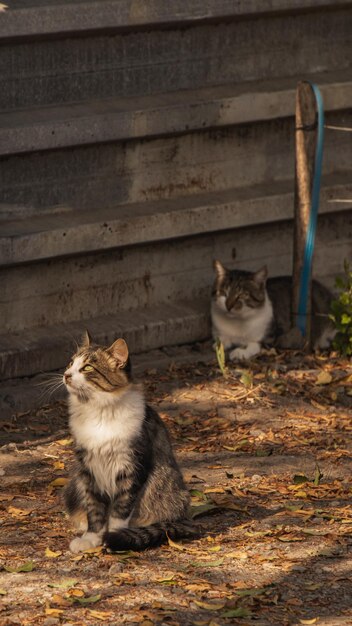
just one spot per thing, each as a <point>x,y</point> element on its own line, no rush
<point>238,354</point>
<point>88,540</point>
<point>242,354</point>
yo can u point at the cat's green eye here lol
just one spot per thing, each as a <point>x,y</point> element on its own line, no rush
<point>87,368</point>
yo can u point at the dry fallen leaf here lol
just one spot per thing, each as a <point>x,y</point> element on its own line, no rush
<point>214,549</point>
<point>210,606</point>
<point>323,378</point>
<point>59,482</point>
<point>26,567</point>
<point>52,555</point>
<point>53,612</point>
<point>198,587</point>
<point>173,544</point>
<point>202,509</point>
<point>240,612</point>
<point>76,593</point>
<point>317,405</point>
<point>310,586</point>
<point>64,584</point>
<point>15,512</point>
<point>216,563</point>
<point>102,615</point>
<point>290,537</point>
<point>60,600</point>
<point>89,599</point>
<point>59,465</point>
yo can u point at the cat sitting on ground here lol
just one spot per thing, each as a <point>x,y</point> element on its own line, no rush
<point>127,486</point>
<point>249,310</point>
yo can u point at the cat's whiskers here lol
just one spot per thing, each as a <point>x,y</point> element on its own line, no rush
<point>49,379</point>
<point>49,387</point>
<point>47,394</point>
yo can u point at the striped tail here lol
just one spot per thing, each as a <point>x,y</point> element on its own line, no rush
<point>149,536</point>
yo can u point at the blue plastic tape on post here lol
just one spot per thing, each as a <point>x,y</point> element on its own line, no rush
<point>313,217</point>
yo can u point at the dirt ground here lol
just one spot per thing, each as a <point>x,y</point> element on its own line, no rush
<point>266,452</point>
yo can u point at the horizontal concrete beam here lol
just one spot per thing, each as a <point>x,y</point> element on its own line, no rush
<point>116,119</point>
<point>25,19</point>
<point>45,349</point>
<point>68,234</point>
<point>20,395</point>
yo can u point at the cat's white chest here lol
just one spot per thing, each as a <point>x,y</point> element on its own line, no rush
<point>93,430</point>
<point>241,330</point>
<point>96,423</point>
<point>106,463</point>
<point>105,431</point>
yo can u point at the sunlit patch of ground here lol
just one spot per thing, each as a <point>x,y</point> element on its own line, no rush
<point>266,453</point>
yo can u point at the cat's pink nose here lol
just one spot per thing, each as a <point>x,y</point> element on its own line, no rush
<point>67,378</point>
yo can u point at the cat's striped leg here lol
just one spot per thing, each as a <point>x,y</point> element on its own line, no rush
<point>97,516</point>
<point>116,523</point>
<point>76,505</point>
<point>123,503</point>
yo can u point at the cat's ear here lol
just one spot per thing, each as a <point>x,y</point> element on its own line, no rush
<point>86,340</point>
<point>261,275</point>
<point>220,270</point>
<point>119,351</point>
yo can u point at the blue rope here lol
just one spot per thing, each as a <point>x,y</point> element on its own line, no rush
<point>313,217</point>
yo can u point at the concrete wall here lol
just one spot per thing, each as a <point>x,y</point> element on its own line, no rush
<point>142,140</point>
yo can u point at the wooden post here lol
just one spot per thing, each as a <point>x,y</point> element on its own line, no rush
<point>306,134</point>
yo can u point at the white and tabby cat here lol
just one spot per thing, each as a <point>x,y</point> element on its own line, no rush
<point>249,310</point>
<point>127,485</point>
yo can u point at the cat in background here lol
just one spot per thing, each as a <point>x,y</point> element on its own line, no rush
<point>249,310</point>
<point>127,491</point>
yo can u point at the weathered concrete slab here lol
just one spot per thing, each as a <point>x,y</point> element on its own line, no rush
<point>30,17</point>
<point>47,349</point>
<point>117,119</point>
<point>145,62</point>
<point>146,276</point>
<point>213,160</point>
<point>65,234</point>
<point>110,187</point>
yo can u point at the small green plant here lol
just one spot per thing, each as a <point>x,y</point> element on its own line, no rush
<point>220,355</point>
<point>341,312</point>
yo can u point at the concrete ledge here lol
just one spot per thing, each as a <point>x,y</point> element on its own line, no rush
<point>26,19</point>
<point>116,119</point>
<point>65,234</point>
<point>47,349</point>
<point>24,394</point>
